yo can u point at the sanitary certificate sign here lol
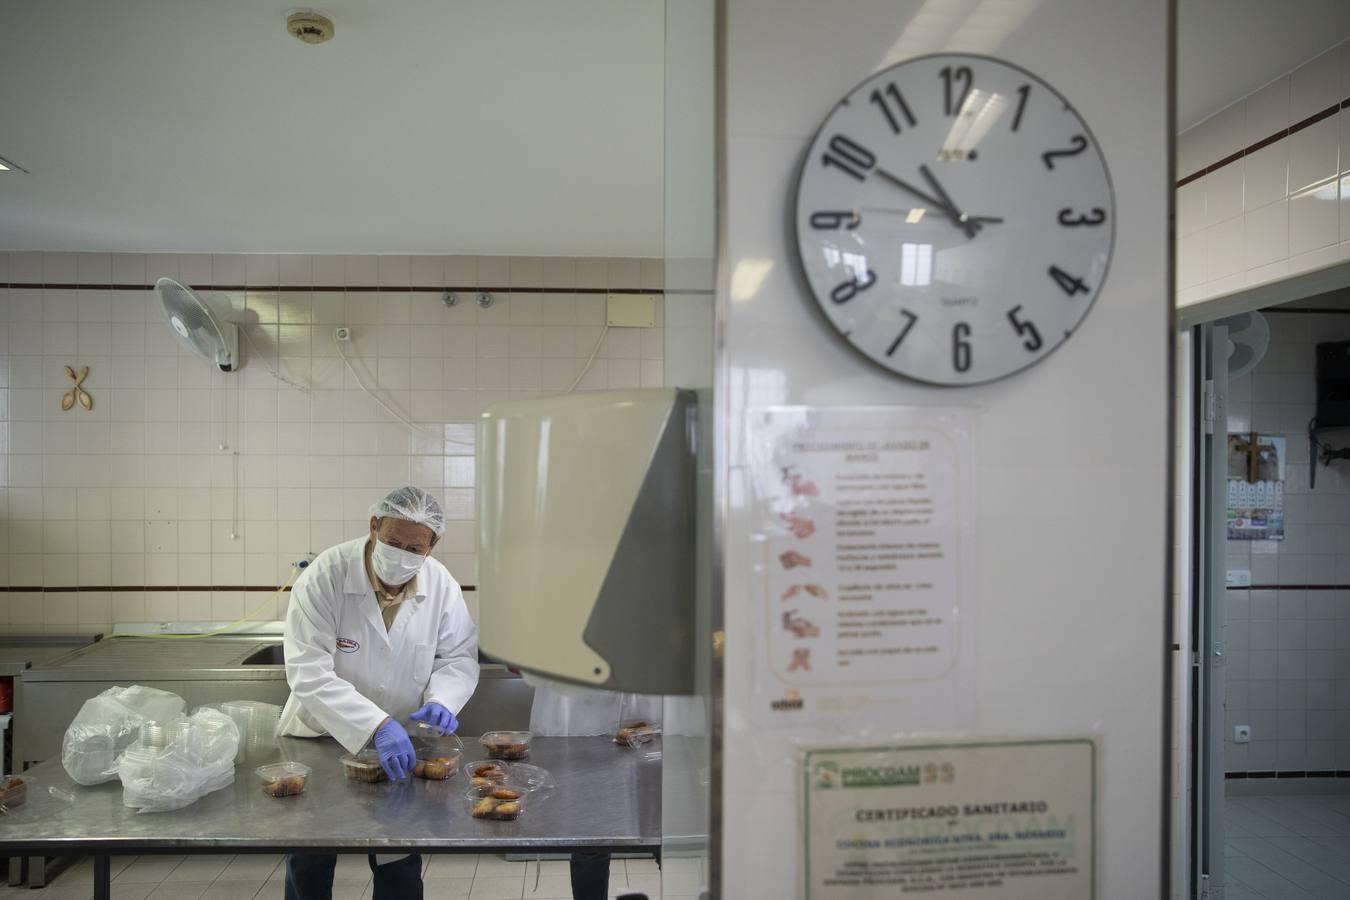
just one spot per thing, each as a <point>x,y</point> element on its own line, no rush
<point>979,820</point>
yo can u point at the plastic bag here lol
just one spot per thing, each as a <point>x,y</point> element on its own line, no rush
<point>178,762</point>
<point>107,724</point>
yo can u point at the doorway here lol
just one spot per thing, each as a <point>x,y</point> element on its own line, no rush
<point>1269,628</point>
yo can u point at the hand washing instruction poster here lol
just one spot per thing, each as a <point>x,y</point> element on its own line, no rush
<point>961,821</point>
<point>863,515</point>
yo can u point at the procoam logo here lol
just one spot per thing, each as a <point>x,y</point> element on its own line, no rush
<point>347,645</point>
<point>791,700</point>
<point>829,775</point>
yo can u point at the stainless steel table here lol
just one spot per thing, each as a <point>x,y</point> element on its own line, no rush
<point>607,798</point>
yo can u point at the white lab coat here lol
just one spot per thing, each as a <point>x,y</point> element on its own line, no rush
<point>347,672</point>
<point>566,710</point>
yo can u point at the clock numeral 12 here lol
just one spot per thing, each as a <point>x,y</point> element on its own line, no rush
<point>1026,329</point>
<point>902,108</point>
<point>961,74</point>
<point>827,220</point>
<point>1068,283</point>
<point>910,319</point>
<point>845,292</point>
<point>961,347</point>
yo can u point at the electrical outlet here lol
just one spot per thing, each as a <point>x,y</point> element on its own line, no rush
<point>1242,734</point>
<point>1239,577</point>
<point>342,333</point>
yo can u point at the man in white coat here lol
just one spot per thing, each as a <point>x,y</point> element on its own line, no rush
<point>377,633</point>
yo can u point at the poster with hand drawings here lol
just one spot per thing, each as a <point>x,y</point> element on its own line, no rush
<point>1256,487</point>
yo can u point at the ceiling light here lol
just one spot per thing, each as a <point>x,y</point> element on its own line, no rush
<point>915,215</point>
<point>8,166</point>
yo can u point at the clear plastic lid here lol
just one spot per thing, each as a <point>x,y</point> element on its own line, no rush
<point>431,742</point>
<point>507,744</point>
<point>498,802</point>
<point>532,777</point>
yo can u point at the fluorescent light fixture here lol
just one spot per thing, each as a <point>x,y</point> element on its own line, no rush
<point>747,277</point>
<point>8,166</point>
<point>3,167</point>
<point>915,215</point>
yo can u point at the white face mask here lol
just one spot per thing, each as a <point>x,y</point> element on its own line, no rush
<point>394,566</point>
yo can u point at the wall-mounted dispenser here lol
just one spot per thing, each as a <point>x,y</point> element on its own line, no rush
<point>586,538</point>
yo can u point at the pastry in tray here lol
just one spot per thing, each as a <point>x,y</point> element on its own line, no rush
<point>634,733</point>
<point>499,802</point>
<point>507,744</point>
<point>436,768</point>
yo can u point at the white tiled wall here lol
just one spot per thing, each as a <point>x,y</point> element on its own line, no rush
<point>147,489</point>
<point>1288,650</point>
<point>1280,211</point>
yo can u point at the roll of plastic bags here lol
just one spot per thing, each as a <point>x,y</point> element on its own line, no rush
<point>178,762</point>
<point>108,724</point>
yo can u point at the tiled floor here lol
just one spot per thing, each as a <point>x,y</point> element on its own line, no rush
<point>446,876</point>
<point>1287,847</point>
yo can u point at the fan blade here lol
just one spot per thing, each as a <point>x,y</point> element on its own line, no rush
<point>84,372</point>
<point>68,400</point>
<point>86,401</point>
<point>70,373</point>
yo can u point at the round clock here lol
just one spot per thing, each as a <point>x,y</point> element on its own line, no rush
<point>955,218</point>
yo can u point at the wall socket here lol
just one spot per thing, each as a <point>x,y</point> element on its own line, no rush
<point>342,333</point>
<point>1239,577</point>
<point>1242,734</point>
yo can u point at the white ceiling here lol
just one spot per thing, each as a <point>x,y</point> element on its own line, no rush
<point>501,127</point>
<point>1228,48</point>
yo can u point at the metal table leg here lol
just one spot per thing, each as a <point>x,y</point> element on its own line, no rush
<point>102,878</point>
<point>37,871</point>
<point>15,871</point>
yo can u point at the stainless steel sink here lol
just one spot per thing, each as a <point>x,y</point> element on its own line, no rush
<point>270,655</point>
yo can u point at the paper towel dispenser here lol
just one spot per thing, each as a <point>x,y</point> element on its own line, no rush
<point>586,538</point>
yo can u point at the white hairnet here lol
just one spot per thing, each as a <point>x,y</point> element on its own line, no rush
<point>411,504</point>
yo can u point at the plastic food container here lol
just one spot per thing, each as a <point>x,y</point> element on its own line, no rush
<point>507,744</point>
<point>364,766</point>
<point>13,791</point>
<point>284,779</point>
<point>498,802</point>
<point>486,771</point>
<point>436,768</point>
<point>635,734</point>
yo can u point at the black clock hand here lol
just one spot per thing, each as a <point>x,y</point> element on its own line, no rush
<point>934,202</point>
<point>961,218</point>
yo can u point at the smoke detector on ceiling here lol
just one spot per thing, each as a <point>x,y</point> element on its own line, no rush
<point>310,26</point>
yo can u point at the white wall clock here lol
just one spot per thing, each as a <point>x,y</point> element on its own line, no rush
<point>955,218</point>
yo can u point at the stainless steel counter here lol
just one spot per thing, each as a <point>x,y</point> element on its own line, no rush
<point>607,798</point>
<point>19,651</point>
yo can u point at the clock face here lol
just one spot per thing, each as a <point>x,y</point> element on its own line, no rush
<point>955,218</point>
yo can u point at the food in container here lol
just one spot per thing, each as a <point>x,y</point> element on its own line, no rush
<point>486,771</point>
<point>507,744</point>
<point>284,779</point>
<point>364,766</point>
<point>438,752</point>
<point>436,768</point>
<point>501,802</point>
<point>635,733</point>
<point>13,791</point>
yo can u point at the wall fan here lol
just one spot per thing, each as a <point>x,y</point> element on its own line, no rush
<point>1248,338</point>
<point>197,326</point>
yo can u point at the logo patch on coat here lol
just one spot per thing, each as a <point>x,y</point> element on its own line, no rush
<point>347,645</point>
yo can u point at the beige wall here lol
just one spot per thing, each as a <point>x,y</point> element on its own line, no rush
<point>125,513</point>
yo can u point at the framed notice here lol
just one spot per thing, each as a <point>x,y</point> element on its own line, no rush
<point>977,820</point>
<point>864,516</point>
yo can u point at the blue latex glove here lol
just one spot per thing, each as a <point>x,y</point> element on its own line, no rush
<point>438,717</point>
<point>395,749</point>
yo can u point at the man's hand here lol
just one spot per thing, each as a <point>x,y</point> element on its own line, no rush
<point>438,717</point>
<point>395,749</point>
